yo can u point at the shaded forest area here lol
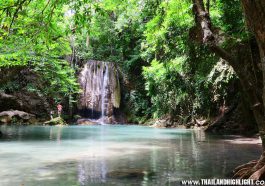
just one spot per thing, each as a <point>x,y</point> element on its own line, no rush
<point>173,73</point>
<point>183,62</point>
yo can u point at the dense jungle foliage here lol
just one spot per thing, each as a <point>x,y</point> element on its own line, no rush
<point>185,62</point>
<point>166,71</point>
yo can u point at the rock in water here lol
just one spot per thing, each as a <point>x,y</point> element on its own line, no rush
<point>86,122</point>
<point>129,174</point>
<point>55,121</point>
<point>101,90</point>
<point>16,116</point>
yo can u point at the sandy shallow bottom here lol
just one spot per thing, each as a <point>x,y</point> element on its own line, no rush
<point>243,140</point>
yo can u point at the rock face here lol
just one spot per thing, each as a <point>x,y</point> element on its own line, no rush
<point>236,120</point>
<point>101,90</point>
<point>27,101</point>
<point>16,116</point>
<point>15,94</point>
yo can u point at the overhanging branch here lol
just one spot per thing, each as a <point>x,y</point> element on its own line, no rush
<point>203,21</point>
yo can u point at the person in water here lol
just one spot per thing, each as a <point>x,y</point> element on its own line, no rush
<point>59,108</point>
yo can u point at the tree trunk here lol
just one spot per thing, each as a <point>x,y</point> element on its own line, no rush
<point>255,15</point>
<point>241,63</point>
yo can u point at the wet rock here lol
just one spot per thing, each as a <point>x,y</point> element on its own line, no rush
<point>16,116</point>
<point>55,121</point>
<point>76,117</point>
<point>109,119</point>
<point>129,174</point>
<point>160,124</point>
<point>201,122</point>
<point>163,123</point>
<point>86,122</point>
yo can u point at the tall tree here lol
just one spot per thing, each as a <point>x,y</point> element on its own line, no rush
<point>243,66</point>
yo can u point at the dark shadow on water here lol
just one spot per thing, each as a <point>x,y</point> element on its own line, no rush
<point>41,133</point>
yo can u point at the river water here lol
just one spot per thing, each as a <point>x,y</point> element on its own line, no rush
<point>115,155</point>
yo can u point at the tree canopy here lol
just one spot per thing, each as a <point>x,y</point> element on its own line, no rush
<point>168,70</point>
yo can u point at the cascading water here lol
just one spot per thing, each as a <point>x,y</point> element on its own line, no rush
<point>101,91</point>
<point>104,94</point>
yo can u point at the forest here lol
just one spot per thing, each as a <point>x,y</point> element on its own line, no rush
<point>178,64</point>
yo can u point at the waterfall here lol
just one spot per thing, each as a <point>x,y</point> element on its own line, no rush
<point>104,94</point>
<point>100,91</point>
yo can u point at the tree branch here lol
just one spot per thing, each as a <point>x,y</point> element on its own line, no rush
<point>223,54</point>
<point>45,6</point>
<point>208,6</point>
<point>15,14</point>
<point>203,21</point>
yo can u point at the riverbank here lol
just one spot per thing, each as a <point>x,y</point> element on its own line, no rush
<point>215,125</point>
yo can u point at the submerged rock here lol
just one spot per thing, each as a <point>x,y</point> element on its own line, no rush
<point>55,121</point>
<point>16,116</point>
<point>129,173</point>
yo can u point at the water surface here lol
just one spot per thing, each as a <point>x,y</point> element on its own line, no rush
<point>115,155</point>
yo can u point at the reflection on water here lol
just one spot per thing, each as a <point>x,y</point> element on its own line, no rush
<point>115,155</point>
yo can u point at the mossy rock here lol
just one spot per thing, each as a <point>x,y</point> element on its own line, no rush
<point>55,121</point>
<point>16,117</point>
